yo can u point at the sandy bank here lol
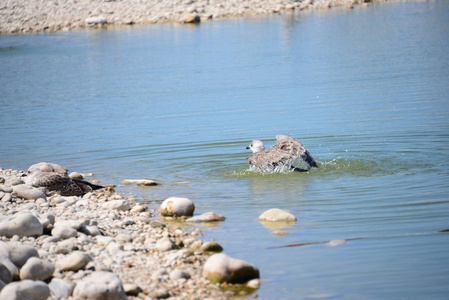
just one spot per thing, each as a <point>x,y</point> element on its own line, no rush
<point>18,16</point>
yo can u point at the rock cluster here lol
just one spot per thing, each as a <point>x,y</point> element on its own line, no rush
<point>43,15</point>
<point>104,245</point>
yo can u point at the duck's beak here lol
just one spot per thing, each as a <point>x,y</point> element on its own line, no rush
<point>247,147</point>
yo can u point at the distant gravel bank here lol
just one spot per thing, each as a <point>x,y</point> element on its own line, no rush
<point>18,16</point>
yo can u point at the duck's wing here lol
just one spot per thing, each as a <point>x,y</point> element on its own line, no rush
<point>294,148</point>
<point>59,183</point>
<point>270,160</point>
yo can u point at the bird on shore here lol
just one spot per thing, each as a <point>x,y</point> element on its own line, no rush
<point>280,157</point>
<point>57,180</point>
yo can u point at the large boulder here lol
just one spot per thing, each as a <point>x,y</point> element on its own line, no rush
<point>222,268</point>
<point>37,269</point>
<point>177,207</point>
<point>22,224</point>
<point>25,289</point>
<point>100,286</point>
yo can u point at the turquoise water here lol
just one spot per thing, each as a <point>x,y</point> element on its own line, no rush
<point>366,91</point>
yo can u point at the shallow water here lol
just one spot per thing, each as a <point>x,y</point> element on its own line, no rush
<point>366,91</point>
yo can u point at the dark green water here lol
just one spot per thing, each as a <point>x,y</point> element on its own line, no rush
<point>366,90</point>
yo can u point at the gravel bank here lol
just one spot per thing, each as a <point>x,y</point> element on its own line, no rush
<point>52,15</point>
<point>104,245</point>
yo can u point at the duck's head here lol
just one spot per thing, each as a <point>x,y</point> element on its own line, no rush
<point>256,146</point>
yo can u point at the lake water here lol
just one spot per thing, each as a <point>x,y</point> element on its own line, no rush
<point>366,90</point>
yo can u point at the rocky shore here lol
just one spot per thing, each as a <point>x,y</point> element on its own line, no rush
<point>18,16</point>
<point>104,245</point>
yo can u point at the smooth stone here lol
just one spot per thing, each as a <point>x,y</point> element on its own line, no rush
<point>222,268</point>
<point>2,285</point>
<point>131,289</point>
<point>140,182</point>
<point>24,290</point>
<point>22,224</point>
<point>164,244</point>
<point>14,181</point>
<point>104,240</point>
<point>160,293</point>
<point>76,175</point>
<point>190,19</point>
<point>75,224</point>
<point>96,20</point>
<point>138,208</point>
<point>207,217</point>
<point>7,197</point>
<point>74,261</point>
<point>37,269</point>
<point>277,215</point>
<point>179,274</point>
<point>61,288</point>
<point>117,205</point>
<point>46,220</point>
<point>90,230</point>
<point>6,188</point>
<point>157,224</point>
<point>19,254</point>
<point>5,274</point>
<point>253,283</point>
<point>28,192</point>
<point>47,167</point>
<point>211,247</point>
<point>6,262</point>
<point>123,238</point>
<point>64,232</point>
<point>176,207</point>
<point>100,285</point>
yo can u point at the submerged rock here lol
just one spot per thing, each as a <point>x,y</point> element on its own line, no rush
<point>140,182</point>
<point>207,217</point>
<point>222,268</point>
<point>176,207</point>
<point>277,215</point>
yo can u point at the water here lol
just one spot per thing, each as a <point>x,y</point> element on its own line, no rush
<point>366,90</point>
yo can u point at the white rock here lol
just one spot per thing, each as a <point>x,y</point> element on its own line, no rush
<point>117,204</point>
<point>207,217</point>
<point>47,167</point>
<point>90,230</point>
<point>222,268</point>
<point>25,289</point>
<point>164,244</point>
<point>179,274</point>
<point>28,192</point>
<point>64,232</point>
<point>19,254</point>
<point>22,224</point>
<point>277,215</point>
<point>140,182</point>
<point>74,261</point>
<point>100,285</point>
<point>96,20</point>
<point>37,269</point>
<point>61,287</point>
<point>175,206</point>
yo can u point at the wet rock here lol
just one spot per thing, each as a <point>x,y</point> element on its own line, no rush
<point>74,261</point>
<point>64,232</point>
<point>19,254</point>
<point>22,224</point>
<point>190,19</point>
<point>277,215</point>
<point>207,217</point>
<point>176,207</point>
<point>61,288</point>
<point>25,289</point>
<point>100,285</point>
<point>211,247</point>
<point>47,167</point>
<point>117,204</point>
<point>37,269</point>
<point>222,268</point>
<point>164,244</point>
<point>140,182</point>
<point>28,192</point>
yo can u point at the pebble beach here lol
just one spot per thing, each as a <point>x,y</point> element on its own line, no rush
<point>104,245</point>
<point>22,16</point>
